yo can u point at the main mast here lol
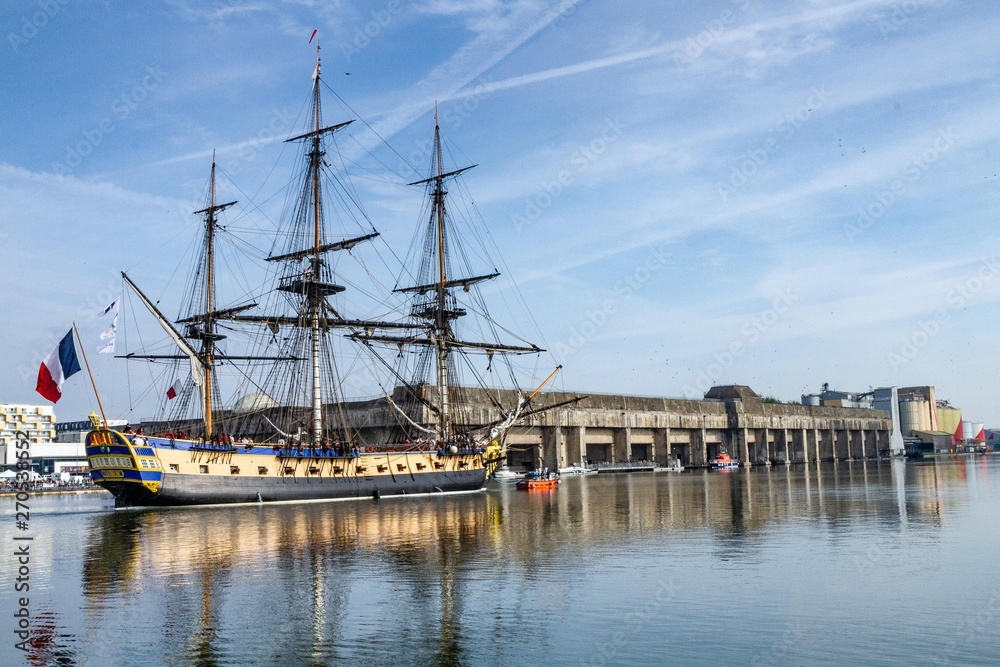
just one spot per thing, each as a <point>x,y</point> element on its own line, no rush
<point>309,286</point>
<point>315,299</point>
<point>441,326</point>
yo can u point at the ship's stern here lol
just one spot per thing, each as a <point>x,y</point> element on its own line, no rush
<point>129,470</point>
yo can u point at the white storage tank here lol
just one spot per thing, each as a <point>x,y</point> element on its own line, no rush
<point>977,429</point>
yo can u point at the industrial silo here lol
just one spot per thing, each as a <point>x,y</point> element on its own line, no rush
<point>914,415</point>
<point>977,432</point>
<point>948,419</point>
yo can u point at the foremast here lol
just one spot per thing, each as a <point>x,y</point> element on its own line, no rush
<point>312,285</point>
<point>206,332</point>
<point>202,326</point>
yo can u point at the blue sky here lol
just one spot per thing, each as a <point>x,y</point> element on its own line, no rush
<point>775,194</point>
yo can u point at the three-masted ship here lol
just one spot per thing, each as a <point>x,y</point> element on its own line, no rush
<point>303,447</point>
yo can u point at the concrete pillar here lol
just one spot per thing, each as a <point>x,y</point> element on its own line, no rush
<point>703,439</point>
<point>744,443</point>
<point>661,445</point>
<point>548,453</point>
<point>666,441</point>
<point>781,446</point>
<point>699,453</point>
<point>620,449</point>
<point>759,456</point>
<point>842,447</point>
<point>576,443</point>
<point>800,449</point>
<point>883,440</point>
<point>827,440</point>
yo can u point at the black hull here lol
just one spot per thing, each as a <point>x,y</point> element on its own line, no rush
<point>214,490</point>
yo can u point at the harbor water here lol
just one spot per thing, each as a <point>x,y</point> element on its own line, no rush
<point>874,563</point>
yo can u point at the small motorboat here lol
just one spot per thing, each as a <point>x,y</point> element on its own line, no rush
<point>577,469</point>
<point>723,461</point>
<point>504,473</point>
<point>539,479</point>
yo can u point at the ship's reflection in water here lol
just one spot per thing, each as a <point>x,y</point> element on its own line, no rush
<point>290,584</point>
<point>606,570</point>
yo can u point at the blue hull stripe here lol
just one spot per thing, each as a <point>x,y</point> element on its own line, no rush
<point>132,475</point>
<point>97,450</point>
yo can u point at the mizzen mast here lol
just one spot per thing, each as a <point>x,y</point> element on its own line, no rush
<point>435,305</point>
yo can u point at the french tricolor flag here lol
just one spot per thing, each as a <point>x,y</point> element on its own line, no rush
<point>56,368</point>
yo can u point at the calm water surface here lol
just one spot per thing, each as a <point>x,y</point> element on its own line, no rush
<point>875,563</point>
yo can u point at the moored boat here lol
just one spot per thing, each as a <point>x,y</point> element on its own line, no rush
<point>503,473</point>
<point>156,471</point>
<point>577,469</point>
<point>539,479</point>
<point>723,461</point>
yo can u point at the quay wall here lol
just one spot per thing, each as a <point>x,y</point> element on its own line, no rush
<point>605,427</point>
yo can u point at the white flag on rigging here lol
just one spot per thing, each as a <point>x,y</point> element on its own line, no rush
<point>110,331</point>
<point>113,307</point>
<point>107,348</point>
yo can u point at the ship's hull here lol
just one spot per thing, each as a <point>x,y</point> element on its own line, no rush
<point>178,489</point>
<point>157,472</point>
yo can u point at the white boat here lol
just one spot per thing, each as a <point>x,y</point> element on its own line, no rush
<point>723,461</point>
<point>577,469</point>
<point>504,473</point>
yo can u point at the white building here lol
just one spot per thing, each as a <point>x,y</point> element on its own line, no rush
<point>38,423</point>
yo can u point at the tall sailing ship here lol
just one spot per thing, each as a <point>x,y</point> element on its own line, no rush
<point>302,444</point>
